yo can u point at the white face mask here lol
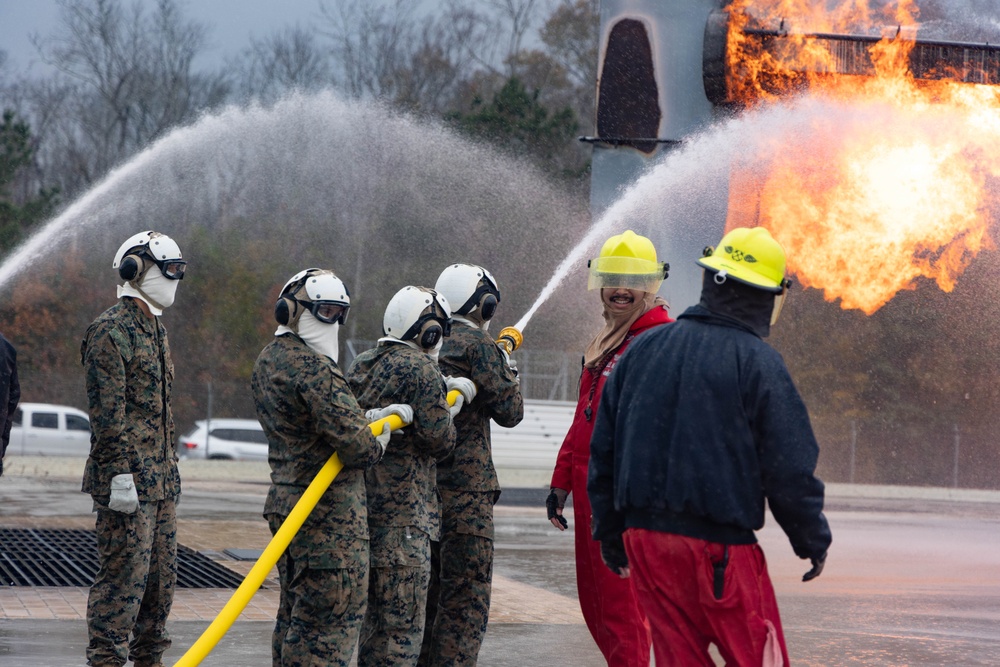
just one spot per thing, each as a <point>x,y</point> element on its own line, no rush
<point>321,337</point>
<point>156,291</point>
<point>435,351</point>
<point>159,288</point>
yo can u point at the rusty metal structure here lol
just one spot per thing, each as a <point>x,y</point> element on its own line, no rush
<point>663,76</point>
<point>849,55</point>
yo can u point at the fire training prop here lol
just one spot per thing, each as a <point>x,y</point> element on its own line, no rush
<point>927,59</point>
<point>510,339</point>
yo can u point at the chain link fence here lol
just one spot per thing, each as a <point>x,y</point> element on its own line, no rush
<point>940,450</point>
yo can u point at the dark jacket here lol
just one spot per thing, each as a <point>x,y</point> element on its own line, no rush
<point>10,393</point>
<point>698,424</point>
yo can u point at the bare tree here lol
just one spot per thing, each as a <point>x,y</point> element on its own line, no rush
<point>290,59</point>
<point>130,75</point>
<point>512,19</point>
<point>385,49</point>
<point>370,42</point>
<point>571,35</point>
<point>48,104</point>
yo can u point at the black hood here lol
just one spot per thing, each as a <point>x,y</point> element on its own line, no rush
<point>739,301</point>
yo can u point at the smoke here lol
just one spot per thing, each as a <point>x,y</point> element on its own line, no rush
<point>961,20</point>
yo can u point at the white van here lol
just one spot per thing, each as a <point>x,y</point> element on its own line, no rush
<point>42,429</point>
<point>234,439</point>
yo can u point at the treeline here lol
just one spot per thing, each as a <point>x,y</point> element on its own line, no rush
<point>373,180</point>
<point>122,76</point>
<point>268,175</point>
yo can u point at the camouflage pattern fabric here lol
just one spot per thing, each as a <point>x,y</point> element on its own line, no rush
<point>324,579</point>
<point>397,597</point>
<point>401,488</point>
<point>134,586</point>
<point>404,510</point>
<point>469,352</point>
<point>462,562</point>
<point>461,580</point>
<point>129,374</point>
<point>308,413</point>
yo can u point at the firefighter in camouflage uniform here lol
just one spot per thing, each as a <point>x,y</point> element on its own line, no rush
<point>462,561</point>
<point>308,412</point>
<point>403,506</point>
<point>131,472</point>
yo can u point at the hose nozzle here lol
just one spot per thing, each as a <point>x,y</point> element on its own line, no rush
<point>510,339</point>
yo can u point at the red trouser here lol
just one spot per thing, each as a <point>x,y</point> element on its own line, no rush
<point>675,579</point>
<point>608,602</point>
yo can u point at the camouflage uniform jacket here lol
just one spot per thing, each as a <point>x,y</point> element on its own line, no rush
<point>308,413</point>
<point>401,488</point>
<point>129,374</point>
<point>470,352</point>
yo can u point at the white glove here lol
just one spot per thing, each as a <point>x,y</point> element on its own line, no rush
<point>383,438</point>
<point>124,497</point>
<point>455,409</point>
<point>511,364</point>
<point>401,410</point>
<point>464,385</point>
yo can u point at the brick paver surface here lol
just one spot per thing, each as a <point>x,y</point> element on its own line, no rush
<point>513,602</point>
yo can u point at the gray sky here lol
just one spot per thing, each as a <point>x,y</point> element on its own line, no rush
<point>231,24</point>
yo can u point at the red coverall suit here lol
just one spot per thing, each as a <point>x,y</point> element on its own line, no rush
<point>608,602</point>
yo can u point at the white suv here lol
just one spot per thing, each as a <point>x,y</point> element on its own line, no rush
<point>41,429</point>
<point>237,439</point>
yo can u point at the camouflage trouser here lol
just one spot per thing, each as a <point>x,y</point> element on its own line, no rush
<point>458,603</point>
<point>134,587</point>
<point>324,579</point>
<point>397,597</point>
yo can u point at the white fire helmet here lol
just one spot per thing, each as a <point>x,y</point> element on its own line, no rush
<point>417,314</point>
<point>471,289</point>
<point>142,251</point>
<point>318,291</point>
<point>133,261</point>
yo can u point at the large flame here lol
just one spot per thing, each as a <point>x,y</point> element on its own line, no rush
<point>874,205</point>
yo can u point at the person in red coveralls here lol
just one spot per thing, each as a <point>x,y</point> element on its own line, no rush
<point>628,276</point>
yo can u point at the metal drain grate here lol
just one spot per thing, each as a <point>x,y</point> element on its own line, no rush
<point>30,557</point>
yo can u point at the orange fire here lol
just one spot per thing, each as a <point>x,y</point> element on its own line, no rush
<point>894,184</point>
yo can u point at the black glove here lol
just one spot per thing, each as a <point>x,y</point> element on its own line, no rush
<point>557,500</point>
<point>817,568</point>
<point>613,554</point>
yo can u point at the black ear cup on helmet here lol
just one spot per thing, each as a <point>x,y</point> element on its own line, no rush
<point>488,307</point>
<point>284,310</point>
<point>431,334</point>
<point>131,267</point>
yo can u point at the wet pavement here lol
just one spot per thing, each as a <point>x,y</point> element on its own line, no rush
<point>913,576</point>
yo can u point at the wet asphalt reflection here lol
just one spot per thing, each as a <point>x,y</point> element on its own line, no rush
<point>908,581</point>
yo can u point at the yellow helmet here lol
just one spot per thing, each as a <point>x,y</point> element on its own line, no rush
<point>751,256</point>
<point>628,261</point>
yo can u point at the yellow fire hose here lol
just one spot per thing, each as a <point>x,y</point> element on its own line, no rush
<point>239,600</point>
<point>510,339</point>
